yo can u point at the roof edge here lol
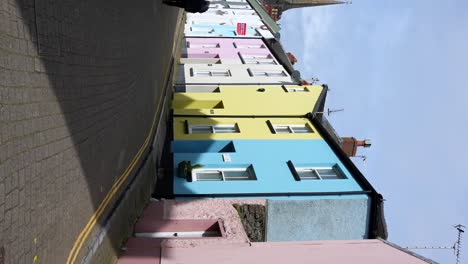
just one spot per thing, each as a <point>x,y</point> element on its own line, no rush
<point>266,18</point>
<point>408,251</point>
<point>320,103</point>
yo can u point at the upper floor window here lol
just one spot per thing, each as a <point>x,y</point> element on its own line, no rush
<point>239,6</point>
<point>210,73</point>
<point>224,174</point>
<point>326,173</point>
<point>316,173</point>
<point>202,29</point>
<point>295,89</point>
<point>268,73</point>
<point>291,129</point>
<point>248,46</point>
<point>213,129</point>
<point>203,45</point>
<point>257,59</point>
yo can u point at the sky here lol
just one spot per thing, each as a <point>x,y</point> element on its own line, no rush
<point>400,71</point>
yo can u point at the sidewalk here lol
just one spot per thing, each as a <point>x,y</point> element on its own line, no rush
<point>119,226</point>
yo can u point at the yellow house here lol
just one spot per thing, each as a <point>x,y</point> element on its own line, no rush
<point>266,100</point>
<point>229,128</point>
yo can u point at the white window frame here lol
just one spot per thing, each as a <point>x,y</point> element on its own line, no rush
<point>211,73</point>
<point>267,73</point>
<point>316,172</point>
<point>295,89</point>
<point>213,6</point>
<point>203,45</point>
<point>264,59</point>
<point>246,6</point>
<point>249,46</point>
<point>251,174</point>
<point>202,29</point>
<point>244,12</point>
<point>213,128</point>
<point>291,127</point>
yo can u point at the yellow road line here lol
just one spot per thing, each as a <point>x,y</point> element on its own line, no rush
<point>115,188</point>
<point>74,252</point>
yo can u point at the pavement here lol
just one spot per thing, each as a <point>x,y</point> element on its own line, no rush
<point>80,84</point>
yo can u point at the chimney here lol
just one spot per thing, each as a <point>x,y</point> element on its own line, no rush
<point>291,58</point>
<point>350,145</point>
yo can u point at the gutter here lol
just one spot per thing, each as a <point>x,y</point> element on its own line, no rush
<point>299,194</point>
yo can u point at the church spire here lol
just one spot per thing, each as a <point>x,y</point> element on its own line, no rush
<point>288,4</point>
<point>282,5</point>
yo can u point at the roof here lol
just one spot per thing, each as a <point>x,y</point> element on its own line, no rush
<point>266,18</point>
<point>280,54</point>
<point>408,251</point>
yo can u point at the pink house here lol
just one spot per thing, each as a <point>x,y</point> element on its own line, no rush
<point>226,51</point>
<point>323,252</point>
<point>211,231</point>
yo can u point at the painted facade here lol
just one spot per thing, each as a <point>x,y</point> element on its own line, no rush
<point>243,128</point>
<point>226,51</point>
<point>322,218</point>
<point>203,128</point>
<point>211,61</point>
<point>267,161</point>
<point>218,231</point>
<point>324,252</point>
<point>221,21</point>
<point>257,141</point>
<point>239,4</point>
<point>206,74</point>
<point>249,100</point>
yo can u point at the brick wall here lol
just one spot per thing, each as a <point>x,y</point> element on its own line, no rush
<point>79,81</point>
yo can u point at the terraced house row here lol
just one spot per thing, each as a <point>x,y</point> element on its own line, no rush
<point>254,159</point>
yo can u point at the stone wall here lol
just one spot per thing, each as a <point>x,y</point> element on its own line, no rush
<point>253,219</point>
<point>79,86</point>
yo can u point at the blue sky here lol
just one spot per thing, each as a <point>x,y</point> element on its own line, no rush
<point>400,71</point>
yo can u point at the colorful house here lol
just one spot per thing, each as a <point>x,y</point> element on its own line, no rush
<point>249,100</point>
<point>213,61</point>
<point>226,51</point>
<point>244,129</point>
<point>232,231</point>
<point>222,19</point>
<point>228,144</point>
<point>213,74</point>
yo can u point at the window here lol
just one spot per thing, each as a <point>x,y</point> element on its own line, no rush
<point>213,129</point>
<point>210,73</point>
<point>269,73</point>
<point>295,89</point>
<point>249,46</point>
<point>202,29</point>
<point>203,45</point>
<point>292,129</point>
<point>239,6</point>
<point>257,59</point>
<point>318,174</point>
<point>315,173</point>
<point>224,174</point>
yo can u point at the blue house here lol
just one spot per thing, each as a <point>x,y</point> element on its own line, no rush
<point>313,190</point>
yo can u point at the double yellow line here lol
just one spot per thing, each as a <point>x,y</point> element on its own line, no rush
<point>74,252</point>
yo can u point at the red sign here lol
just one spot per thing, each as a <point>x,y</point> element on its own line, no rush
<point>241,28</point>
